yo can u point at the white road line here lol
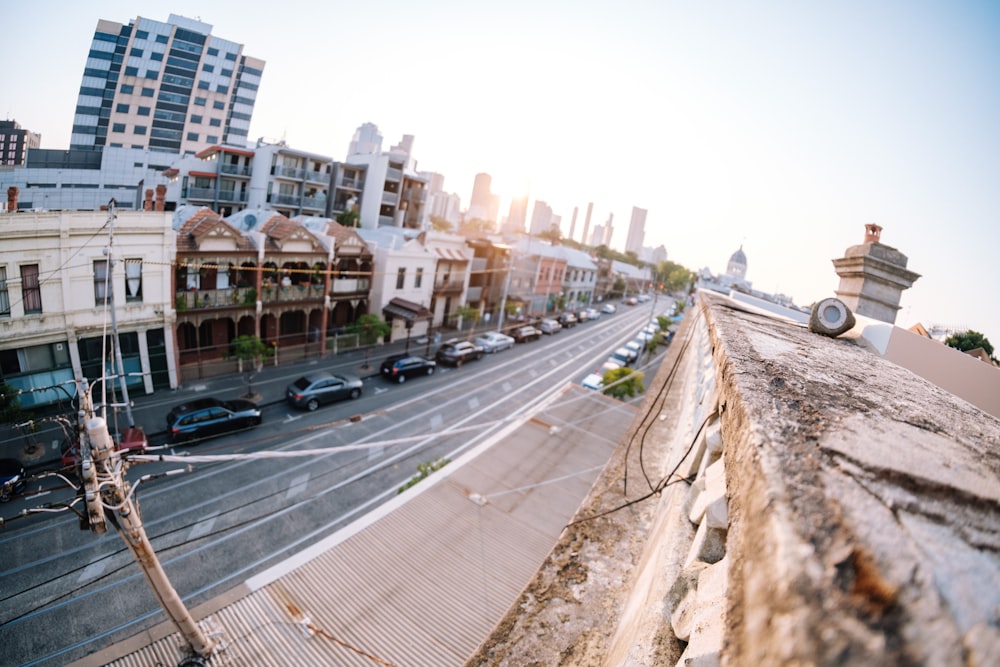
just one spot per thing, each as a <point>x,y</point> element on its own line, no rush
<point>298,486</point>
<point>202,528</point>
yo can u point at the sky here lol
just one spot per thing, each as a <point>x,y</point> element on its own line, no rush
<point>779,127</point>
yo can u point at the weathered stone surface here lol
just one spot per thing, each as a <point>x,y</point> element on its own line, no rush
<point>863,515</point>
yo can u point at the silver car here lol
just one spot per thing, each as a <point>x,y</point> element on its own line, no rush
<point>494,341</point>
<point>312,390</point>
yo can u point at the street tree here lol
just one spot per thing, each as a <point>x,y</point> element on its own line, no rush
<point>369,329</point>
<point>626,388</point>
<point>250,352</point>
<point>970,340</point>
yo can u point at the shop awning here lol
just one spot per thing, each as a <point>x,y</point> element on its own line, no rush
<point>407,310</point>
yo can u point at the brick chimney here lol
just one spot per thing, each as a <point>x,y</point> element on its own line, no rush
<point>12,199</point>
<point>873,277</point>
<point>147,202</point>
<point>161,195</point>
<point>872,233</point>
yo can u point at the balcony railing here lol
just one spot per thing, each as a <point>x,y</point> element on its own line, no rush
<point>286,200</point>
<point>350,285</point>
<point>235,169</point>
<point>289,172</point>
<point>393,174</point>
<point>232,297</point>
<point>301,292</point>
<point>390,198</point>
<point>209,194</point>
<point>352,183</point>
<point>452,285</point>
<point>317,176</point>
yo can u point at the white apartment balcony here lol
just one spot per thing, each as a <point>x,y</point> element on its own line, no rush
<point>236,170</point>
<point>392,174</point>
<point>209,194</point>
<point>291,173</point>
<point>390,198</point>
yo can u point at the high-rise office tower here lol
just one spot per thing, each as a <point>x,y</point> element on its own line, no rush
<point>586,224</point>
<point>517,216</point>
<point>483,205</point>
<point>170,87</point>
<point>572,224</point>
<point>636,231</point>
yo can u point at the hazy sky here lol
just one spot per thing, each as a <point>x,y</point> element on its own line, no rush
<point>783,127</point>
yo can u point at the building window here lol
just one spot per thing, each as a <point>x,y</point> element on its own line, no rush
<point>140,129</point>
<point>143,111</point>
<point>131,71</point>
<point>141,34</point>
<point>135,52</point>
<point>196,120</point>
<point>133,280</point>
<point>127,89</point>
<point>101,285</point>
<point>118,127</point>
<point>161,39</point>
<point>215,122</point>
<point>212,138</point>
<point>121,108</point>
<point>147,92</point>
<point>208,68</point>
<point>212,51</point>
<point>192,136</point>
<point>156,56</point>
<point>400,277</point>
<point>218,105</point>
<point>204,85</point>
<point>419,278</point>
<point>4,295</point>
<point>31,289</point>
<point>200,101</point>
<point>222,89</point>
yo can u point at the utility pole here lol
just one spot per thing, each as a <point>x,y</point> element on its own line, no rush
<point>109,498</point>
<point>509,265</point>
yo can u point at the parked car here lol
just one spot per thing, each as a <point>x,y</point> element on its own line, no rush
<point>609,309</point>
<point>636,346</point>
<point>11,478</point>
<point>550,326</point>
<point>457,352</point>
<point>622,356</point>
<point>567,320</point>
<point>631,301</point>
<point>591,314</point>
<point>209,417</point>
<point>494,341</point>
<point>525,334</point>
<point>315,389</point>
<point>593,381</point>
<point>401,367</point>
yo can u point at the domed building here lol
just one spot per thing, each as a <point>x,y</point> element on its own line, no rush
<point>737,267</point>
<point>733,279</point>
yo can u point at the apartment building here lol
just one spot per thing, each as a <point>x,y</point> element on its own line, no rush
<point>169,86</point>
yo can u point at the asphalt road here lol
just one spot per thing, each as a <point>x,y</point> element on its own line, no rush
<point>65,592</point>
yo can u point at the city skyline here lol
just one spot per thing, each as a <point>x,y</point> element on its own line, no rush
<point>778,127</point>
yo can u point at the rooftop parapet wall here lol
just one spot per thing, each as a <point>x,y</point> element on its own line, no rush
<point>826,507</point>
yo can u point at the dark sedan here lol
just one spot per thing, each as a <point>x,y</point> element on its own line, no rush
<point>315,389</point>
<point>401,367</point>
<point>209,417</point>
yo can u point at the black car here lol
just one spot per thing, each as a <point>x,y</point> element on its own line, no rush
<point>312,390</point>
<point>208,417</point>
<point>525,334</point>
<point>457,352</point>
<point>402,366</point>
<point>11,478</point>
<point>567,320</point>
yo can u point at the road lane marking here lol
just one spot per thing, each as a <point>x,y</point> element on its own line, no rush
<point>298,486</point>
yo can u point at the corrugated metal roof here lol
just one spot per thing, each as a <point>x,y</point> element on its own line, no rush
<point>424,579</point>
